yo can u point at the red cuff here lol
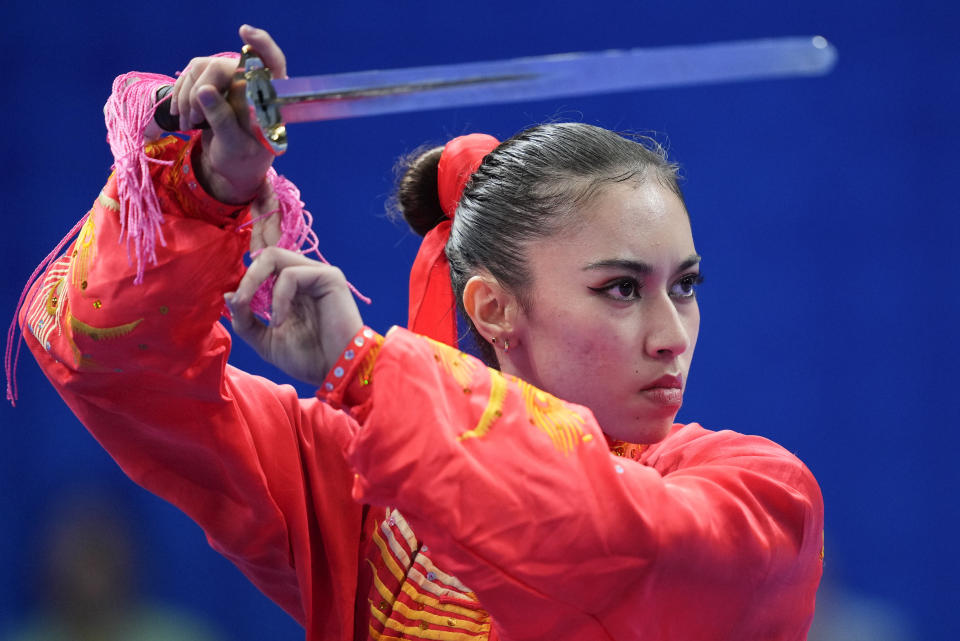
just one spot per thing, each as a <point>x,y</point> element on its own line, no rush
<point>193,199</point>
<point>349,383</point>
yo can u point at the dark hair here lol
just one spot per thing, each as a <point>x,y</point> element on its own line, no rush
<point>525,189</point>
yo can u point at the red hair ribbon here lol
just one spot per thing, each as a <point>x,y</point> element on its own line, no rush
<point>432,309</point>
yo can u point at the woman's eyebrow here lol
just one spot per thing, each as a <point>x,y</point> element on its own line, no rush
<point>637,266</point>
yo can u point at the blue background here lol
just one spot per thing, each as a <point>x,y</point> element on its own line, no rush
<point>824,209</point>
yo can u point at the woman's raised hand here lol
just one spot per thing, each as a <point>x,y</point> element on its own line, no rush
<point>233,161</point>
<point>313,317</point>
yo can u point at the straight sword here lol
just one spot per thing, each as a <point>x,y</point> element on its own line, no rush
<point>274,102</point>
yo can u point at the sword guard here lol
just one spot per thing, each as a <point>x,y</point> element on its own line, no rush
<point>257,101</point>
<point>262,102</point>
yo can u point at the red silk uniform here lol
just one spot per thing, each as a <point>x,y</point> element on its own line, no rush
<point>526,525</point>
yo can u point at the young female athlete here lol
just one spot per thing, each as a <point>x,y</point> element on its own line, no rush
<point>424,495</point>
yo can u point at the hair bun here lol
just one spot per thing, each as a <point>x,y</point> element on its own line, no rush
<point>417,197</point>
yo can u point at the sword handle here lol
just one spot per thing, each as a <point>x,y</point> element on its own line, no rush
<point>251,95</point>
<point>162,115</point>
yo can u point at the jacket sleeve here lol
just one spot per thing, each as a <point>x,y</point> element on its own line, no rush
<point>710,535</point>
<point>144,367</point>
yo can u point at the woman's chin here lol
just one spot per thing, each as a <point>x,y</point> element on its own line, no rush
<point>647,429</point>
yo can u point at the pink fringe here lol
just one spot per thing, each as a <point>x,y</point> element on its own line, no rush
<point>296,234</point>
<point>10,357</point>
<point>128,111</point>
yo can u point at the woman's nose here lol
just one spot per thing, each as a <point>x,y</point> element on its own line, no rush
<point>667,335</point>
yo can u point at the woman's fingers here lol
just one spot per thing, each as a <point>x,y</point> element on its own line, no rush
<point>315,281</point>
<point>184,100</point>
<point>219,115</point>
<point>216,75</point>
<point>180,96</point>
<point>218,72</point>
<point>246,325</point>
<point>271,55</point>
<point>270,261</point>
<point>313,313</point>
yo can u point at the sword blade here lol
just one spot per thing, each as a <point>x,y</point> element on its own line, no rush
<point>368,93</point>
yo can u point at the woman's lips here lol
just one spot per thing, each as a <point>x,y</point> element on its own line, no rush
<point>666,391</point>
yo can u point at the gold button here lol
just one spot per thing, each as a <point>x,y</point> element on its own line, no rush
<point>164,309</point>
<point>422,625</point>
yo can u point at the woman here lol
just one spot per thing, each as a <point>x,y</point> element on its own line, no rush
<point>428,496</point>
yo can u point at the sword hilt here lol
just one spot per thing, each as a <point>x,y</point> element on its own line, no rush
<point>252,96</point>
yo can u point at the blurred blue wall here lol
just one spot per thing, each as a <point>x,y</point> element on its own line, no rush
<point>824,209</point>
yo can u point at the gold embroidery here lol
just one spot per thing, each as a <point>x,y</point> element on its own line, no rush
<point>433,603</point>
<point>494,409</point>
<point>457,364</point>
<point>50,299</point>
<point>56,299</point>
<point>156,147</point>
<point>551,416</point>
<point>418,632</point>
<point>422,615</point>
<point>625,449</point>
<point>84,251</point>
<point>108,203</point>
<point>365,371</point>
<point>377,610</point>
<point>388,559</point>
<point>102,333</point>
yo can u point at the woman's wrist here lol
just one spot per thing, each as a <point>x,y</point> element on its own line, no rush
<point>348,384</point>
<point>220,186</point>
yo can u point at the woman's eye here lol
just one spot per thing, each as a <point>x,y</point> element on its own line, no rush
<point>622,289</point>
<point>686,287</point>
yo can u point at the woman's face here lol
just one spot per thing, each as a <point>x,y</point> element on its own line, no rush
<point>611,318</point>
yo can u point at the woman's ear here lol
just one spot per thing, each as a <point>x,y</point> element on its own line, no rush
<point>493,309</point>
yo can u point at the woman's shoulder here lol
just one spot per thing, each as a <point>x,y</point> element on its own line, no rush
<point>692,445</point>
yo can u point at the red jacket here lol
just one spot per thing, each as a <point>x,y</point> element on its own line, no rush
<point>527,526</point>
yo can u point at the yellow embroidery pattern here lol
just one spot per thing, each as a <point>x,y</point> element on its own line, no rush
<point>436,599</point>
<point>44,314</point>
<point>625,449</point>
<point>494,409</point>
<point>365,370</point>
<point>102,333</point>
<point>552,417</point>
<point>457,364</point>
<point>83,251</point>
<point>422,631</point>
<point>156,147</point>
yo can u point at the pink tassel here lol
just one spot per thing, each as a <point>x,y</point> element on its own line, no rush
<point>128,111</point>
<point>11,357</point>
<point>296,234</point>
